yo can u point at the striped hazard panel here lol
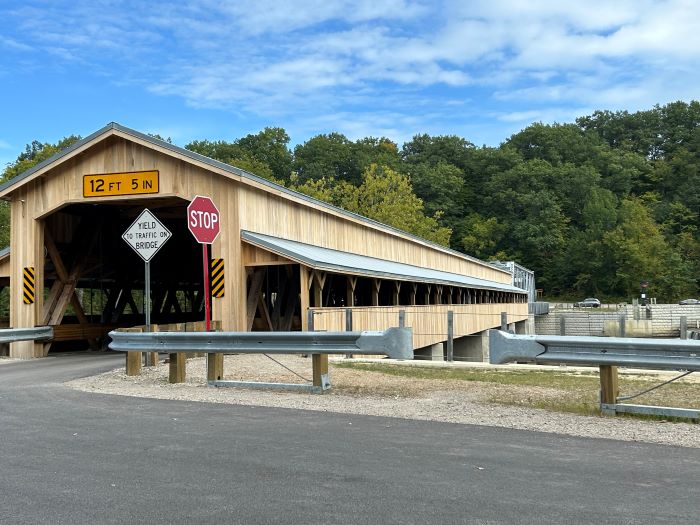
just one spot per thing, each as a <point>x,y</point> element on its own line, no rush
<point>29,284</point>
<point>217,277</point>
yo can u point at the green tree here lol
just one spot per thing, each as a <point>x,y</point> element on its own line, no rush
<point>336,158</point>
<point>385,196</point>
<point>439,186</point>
<point>264,154</point>
<point>35,153</point>
<point>270,147</point>
<point>639,252</point>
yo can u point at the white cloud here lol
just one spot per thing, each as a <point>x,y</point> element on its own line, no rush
<point>368,57</point>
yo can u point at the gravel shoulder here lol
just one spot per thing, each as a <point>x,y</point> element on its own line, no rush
<point>376,394</point>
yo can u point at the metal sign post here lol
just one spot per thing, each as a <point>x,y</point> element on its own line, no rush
<point>146,236</point>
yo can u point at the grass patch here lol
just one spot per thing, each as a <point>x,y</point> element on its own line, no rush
<point>555,390</point>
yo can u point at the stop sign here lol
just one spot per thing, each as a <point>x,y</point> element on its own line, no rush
<point>203,219</point>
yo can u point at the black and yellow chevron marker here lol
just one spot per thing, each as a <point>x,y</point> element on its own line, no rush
<point>29,280</point>
<point>217,277</point>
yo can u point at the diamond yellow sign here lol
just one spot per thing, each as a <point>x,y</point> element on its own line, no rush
<point>130,183</point>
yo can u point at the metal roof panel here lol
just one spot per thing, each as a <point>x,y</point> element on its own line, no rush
<point>344,262</point>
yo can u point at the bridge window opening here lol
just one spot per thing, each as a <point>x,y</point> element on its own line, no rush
<point>273,298</point>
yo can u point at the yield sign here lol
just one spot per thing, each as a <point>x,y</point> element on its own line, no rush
<point>146,235</point>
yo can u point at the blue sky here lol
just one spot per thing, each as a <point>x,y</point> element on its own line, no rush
<point>221,69</point>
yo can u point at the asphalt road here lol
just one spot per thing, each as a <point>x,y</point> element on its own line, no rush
<point>78,458</point>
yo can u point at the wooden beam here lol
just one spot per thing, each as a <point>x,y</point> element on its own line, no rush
<point>304,286</point>
<point>264,312</point>
<point>351,281</point>
<point>50,303</point>
<point>376,285</point>
<point>254,291</point>
<point>395,294</point>
<point>413,294</point>
<point>319,279</point>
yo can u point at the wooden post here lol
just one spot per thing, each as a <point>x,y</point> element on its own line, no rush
<point>402,318</point>
<point>395,294</point>
<point>133,363</point>
<point>414,292</point>
<point>304,286</point>
<point>215,367</point>
<point>609,388</point>
<point>319,363</point>
<point>450,335</point>
<point>133,359</point>
<point>504,321</point>
<point>177,370</point>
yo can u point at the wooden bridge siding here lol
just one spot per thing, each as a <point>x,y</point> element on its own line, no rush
<point>429,323</point>
<point>286,219</point>
<point>27,249</point>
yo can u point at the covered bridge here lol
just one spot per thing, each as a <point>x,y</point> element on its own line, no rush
<point>283,253</point>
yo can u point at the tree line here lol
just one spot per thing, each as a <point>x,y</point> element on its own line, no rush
<point>594,207</point>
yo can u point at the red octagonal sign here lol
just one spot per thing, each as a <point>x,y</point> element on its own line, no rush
<point>203,219</point>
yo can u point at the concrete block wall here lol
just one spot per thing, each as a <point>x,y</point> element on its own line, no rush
<point>657,320</point>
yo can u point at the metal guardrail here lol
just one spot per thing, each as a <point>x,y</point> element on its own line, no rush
<point>662,354</point>
<point>39,333</point>
<point>393,342</point>
<point>607,353</point>
<point>396,343</point>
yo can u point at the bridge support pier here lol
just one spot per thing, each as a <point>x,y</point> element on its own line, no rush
<point>472,347</point>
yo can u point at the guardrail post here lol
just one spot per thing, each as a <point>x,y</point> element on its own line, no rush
<point>609,388</point>
<point>348,325</point>
<point>504,321</point>
<point>684,327</point>
<point>133,359</point>
<point>450,334</point>
<point>215,361</point>
<point>177,370</point>
<point>319,362</point>
<point>133,363</point>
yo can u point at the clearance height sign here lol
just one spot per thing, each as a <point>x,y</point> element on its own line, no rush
<point>130,183</point>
